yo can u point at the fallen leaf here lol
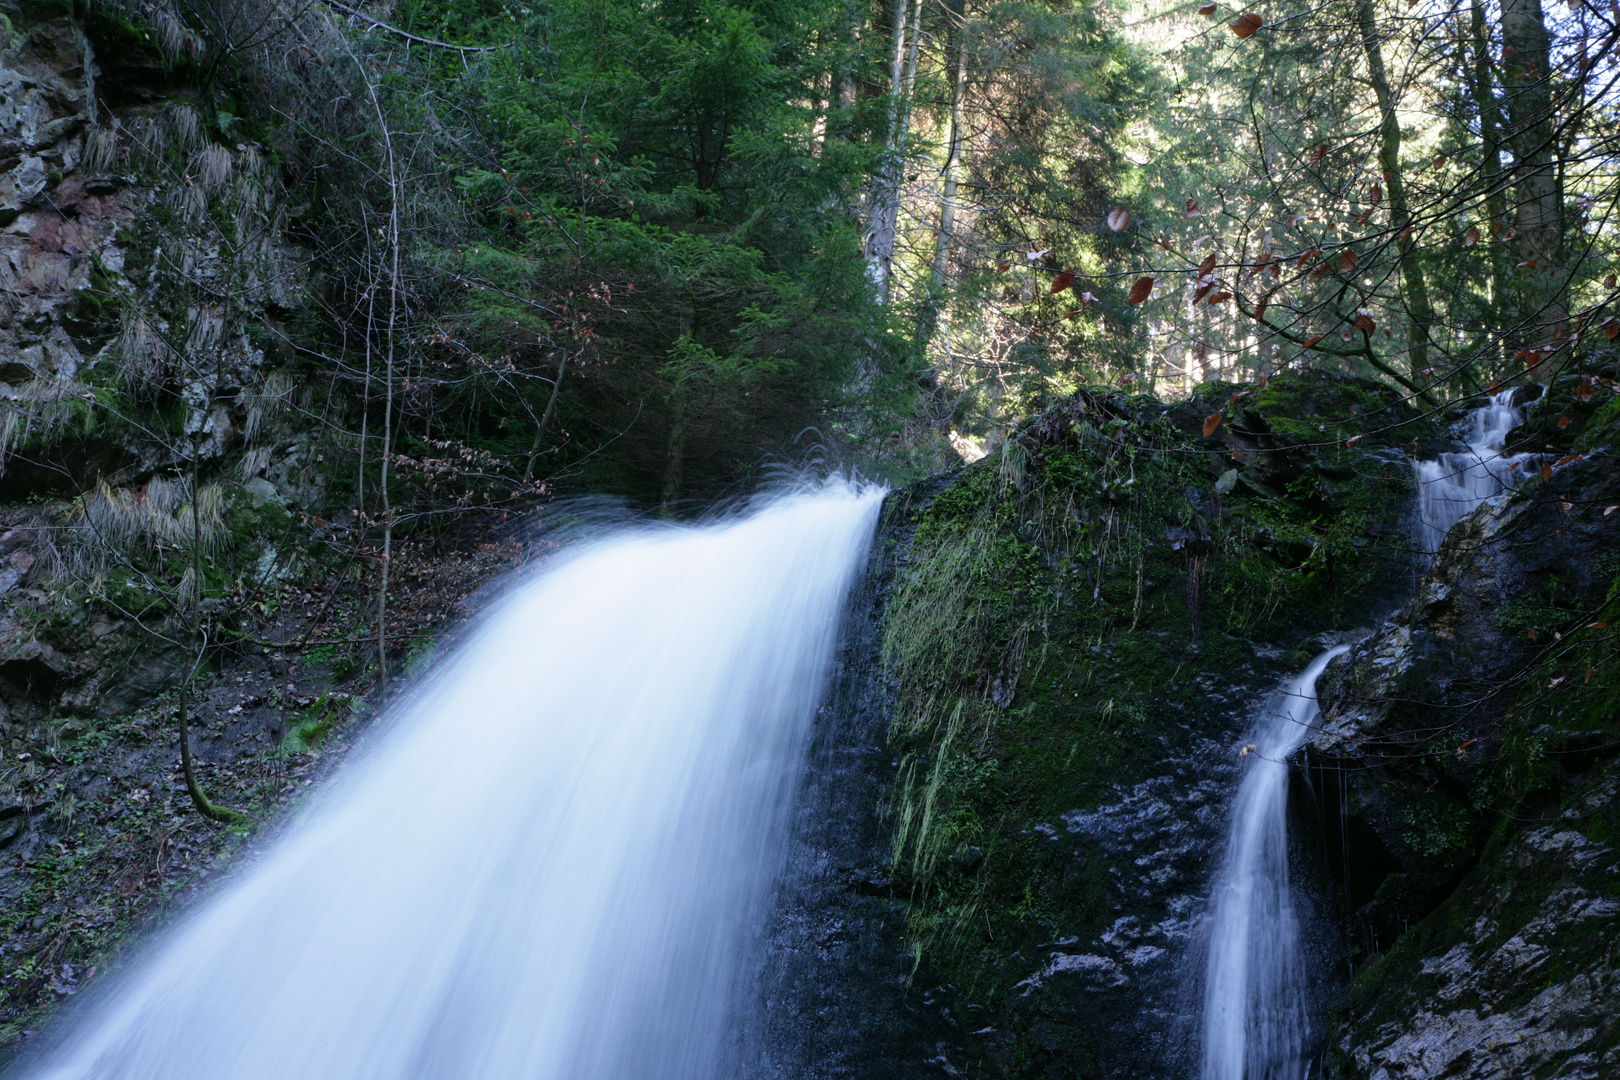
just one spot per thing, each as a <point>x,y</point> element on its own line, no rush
<point>1119,218</point>
<point>1211,422</point>
<point>1586,391</point>
<point>1563,421</point>
<point>1140,291</point>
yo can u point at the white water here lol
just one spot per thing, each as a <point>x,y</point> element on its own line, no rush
<point>1256,1025</point>
<point>549,867</point>
<point>1452,486</point>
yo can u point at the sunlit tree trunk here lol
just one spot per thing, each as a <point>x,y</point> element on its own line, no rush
<point>883,216</point>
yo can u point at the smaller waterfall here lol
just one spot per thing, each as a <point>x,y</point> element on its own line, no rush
<point>1256,1025</point>
<point>1453,485</point>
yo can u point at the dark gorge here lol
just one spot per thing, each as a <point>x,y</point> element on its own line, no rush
<point>904,539</point>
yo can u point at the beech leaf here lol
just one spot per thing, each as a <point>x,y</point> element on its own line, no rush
<point>1347,260</point>
<point>1219,298</point>
<point>1119,218</point>
<point>1309,342</point>
<point>1211,422</point>
<point>1546,471</point>
<point>1246,24</point>
<point>1140,291</point>
<point>1471,237</point>
<point>1003,266</point>
<point>1192,208</point>
<point>1352,440</point>
<point>1563,421</point>
<point>1063,280</point>
<point>1207,9</point>
<point>1365,324</point>
<point>1260,309</point>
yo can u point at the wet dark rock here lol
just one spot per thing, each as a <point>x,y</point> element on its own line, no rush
<point>1470,746</point>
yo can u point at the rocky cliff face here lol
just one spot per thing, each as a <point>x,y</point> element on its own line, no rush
<point>1470,745</point>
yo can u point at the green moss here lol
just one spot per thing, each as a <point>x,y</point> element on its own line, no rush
<point>1041,644</point>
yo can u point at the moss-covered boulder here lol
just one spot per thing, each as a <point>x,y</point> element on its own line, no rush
<point>1077,638</point>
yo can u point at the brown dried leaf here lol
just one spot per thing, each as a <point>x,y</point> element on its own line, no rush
<point>1347,260</point>
<point>1352,440</point>
<point>1207,10</point>
<point>1310,342</point>
<point>1219,298</point>
<point>1246,24</point>
<point>1365,324</point>
<point>1119,218</point>
<point>1211,422</point>
<point>1207,267</point>
<point>1546,472</point>
<point>1140,291</point>
<point>1563,421</point>
<point>1062,281</point>
<point>1471,237</point>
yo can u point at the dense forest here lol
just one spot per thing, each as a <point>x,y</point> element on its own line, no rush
<point>316,317</point>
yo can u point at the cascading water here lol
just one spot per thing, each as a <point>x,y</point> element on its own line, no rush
<point>1453,485</point>
<point>550,864</point>
<point>1256,991</point>
<point>1256,1025</point>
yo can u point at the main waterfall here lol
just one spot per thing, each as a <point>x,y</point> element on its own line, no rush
<point>550,864</point>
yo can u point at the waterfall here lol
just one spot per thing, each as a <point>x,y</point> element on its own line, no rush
<point>550,864</point>
<point>1454,484</point>
<point>1256,1025</point>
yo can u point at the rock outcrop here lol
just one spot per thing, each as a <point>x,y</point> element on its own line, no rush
<point>1469,747</point>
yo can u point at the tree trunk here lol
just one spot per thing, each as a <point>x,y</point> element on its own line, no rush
<point>956,74</point>
<point>1419,311</point>
<point>1537,200</point>
<point>1483,88</point>
<point>883,216</point>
